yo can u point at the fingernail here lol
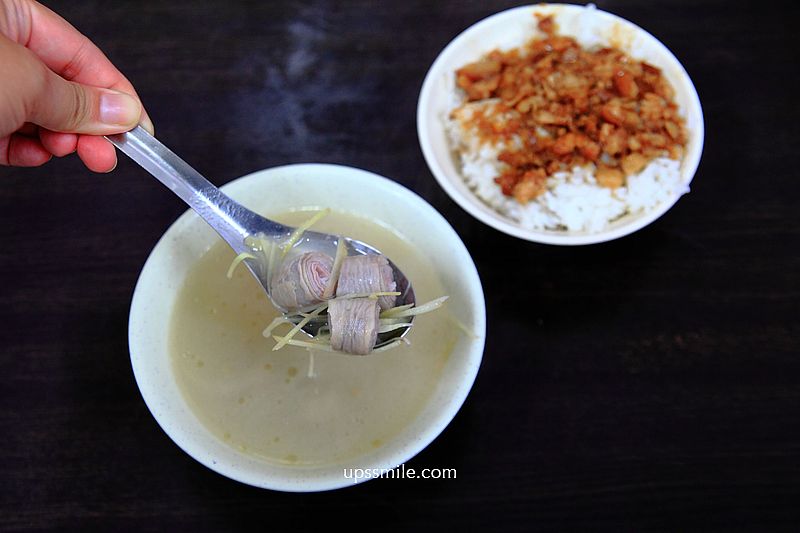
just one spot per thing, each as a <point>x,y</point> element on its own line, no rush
<point>118,109</point>
<point>147,124</point>
<point>116,162</point>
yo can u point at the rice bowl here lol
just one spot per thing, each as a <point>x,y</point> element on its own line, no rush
<point>574,209</point>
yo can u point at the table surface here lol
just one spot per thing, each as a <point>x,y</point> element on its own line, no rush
<point>657,382</point>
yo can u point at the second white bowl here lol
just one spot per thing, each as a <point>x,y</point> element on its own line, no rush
<point>510,29</point>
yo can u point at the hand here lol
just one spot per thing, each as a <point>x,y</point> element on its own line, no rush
<point>59,93</point>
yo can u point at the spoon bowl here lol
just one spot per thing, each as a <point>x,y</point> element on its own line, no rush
<point>235,223</point>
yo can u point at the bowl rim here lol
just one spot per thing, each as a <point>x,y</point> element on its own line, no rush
<point>390,459</point>
<point>472,204</point>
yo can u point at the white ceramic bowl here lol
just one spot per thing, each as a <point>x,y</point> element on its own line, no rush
<point>509,29</point>
<point>277,190</point>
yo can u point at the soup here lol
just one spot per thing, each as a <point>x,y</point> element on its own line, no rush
<point>291,406</point>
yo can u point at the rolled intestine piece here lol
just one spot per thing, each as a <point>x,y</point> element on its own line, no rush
<point>301,281</point>
<point>363,274</point>
<point>354,324</point>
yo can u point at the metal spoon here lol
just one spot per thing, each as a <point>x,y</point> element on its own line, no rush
<point>234,222</point>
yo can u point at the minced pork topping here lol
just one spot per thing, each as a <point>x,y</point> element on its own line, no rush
<point>558,105</point>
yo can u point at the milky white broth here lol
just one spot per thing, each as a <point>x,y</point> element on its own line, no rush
<point>263,402</point>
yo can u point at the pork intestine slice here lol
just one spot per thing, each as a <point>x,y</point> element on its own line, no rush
<point>301,281</point>
<point>354,324</point>
<point>362,274</point>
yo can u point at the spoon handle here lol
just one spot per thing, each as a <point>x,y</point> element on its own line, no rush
<point>227,217</point>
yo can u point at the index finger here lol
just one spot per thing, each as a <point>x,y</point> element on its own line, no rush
<point>70,54</point>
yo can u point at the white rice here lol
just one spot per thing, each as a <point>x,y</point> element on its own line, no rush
<point>573,200</point>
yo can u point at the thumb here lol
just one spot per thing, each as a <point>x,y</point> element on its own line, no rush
<point>71,107</point>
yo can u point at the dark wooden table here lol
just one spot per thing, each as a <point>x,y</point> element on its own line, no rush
<point>657,382</point>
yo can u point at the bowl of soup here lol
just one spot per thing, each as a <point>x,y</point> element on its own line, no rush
<point>295,419</point>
